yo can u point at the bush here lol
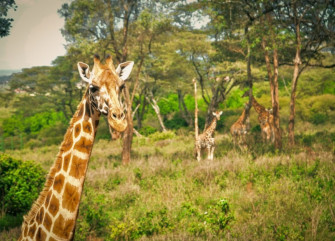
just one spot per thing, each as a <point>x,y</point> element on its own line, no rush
<point>20,184</point>
<point>157,136</point>
<point>215,219</point>
<point>319,118</point>
<point>147,130</point>
<point>176,122</point>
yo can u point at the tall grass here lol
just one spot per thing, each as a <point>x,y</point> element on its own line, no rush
<point>165,194</point>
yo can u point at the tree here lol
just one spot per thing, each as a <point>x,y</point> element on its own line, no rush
<point>311,25</point>
<point>126,28</point>
<point>5,22</point>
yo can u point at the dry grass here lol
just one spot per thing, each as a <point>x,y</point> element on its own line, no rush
<point>284,196</point>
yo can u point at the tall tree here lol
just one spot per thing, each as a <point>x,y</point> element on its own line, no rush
<point>312,27</point>
<point>126,28</point>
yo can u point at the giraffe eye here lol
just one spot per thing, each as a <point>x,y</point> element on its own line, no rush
<point>94,88</point>
<point>121,87</point>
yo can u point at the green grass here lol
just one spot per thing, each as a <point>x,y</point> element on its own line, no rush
<point>165,194</point>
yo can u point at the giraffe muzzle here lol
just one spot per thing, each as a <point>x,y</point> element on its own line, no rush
<point>117,120</point>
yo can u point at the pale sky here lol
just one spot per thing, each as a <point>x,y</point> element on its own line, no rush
<point>35,38</point>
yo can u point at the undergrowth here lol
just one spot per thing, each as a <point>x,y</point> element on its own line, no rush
<point>243,194</point>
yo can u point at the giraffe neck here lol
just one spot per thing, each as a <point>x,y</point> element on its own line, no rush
<point>54,213</point>
<point>242,117</point>
<point>211,128</point>
<point>259,108</point>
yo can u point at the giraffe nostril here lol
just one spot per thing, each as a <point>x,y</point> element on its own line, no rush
<point>122,115</point>
<point>114,116</point>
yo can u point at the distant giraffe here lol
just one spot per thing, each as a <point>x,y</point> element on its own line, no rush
<point>265,119</point>
<point>53,215</point>
<point>206,139</point>
<point>239,129</point>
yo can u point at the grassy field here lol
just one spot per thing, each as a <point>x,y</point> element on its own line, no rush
<point>165,194</point>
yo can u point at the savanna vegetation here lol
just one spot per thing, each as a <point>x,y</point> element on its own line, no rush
<point>148,186</point>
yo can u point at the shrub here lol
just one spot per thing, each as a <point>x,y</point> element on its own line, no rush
<point>157,136</point>
<point>176,122</point>
<point>214,219</point>
<point>20,184</point>
<point>318,118</point>
<point>147,130</point>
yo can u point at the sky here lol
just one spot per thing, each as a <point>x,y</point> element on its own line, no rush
<point>35,38</point>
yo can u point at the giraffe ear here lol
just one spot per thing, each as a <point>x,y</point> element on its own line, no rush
<point>220,113</point>
<point>84,72</point>
<point>124,69</point>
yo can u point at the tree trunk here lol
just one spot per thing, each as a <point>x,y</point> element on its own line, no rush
<point>183,109</point>
<point>196,128</point>
<point>128,133</point>
<point>273,79</point>
<point>275,101</point>
<point>137,133</point>
<point>297,62</point>
<point>156,108</point>
<point>249,77</point>
<point>140,112</point>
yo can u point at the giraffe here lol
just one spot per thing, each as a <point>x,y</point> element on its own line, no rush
<point>53,215</point>
<point>206,139</point>
<point>239,129</point>
<point>265,119</point>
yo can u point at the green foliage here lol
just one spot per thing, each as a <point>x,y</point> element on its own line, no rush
<point>169,104</point>
<point>17,124</point>
<point>234,100</point>
<point>20,184</point>
<point>5,22</point>
<point>215,218</point>
<point>147,130</point>
<point>319,118</point>
<point>9,221</point>
<point>316,109</point>
<point>162,135</point>
<point>176,122</point>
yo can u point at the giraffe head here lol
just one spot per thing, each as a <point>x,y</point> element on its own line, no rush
<point>217,114</point>
<point>105,87</point>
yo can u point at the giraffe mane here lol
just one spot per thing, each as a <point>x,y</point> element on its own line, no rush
<point>51,175</point>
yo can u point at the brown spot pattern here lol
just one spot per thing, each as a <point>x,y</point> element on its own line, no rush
<point>77,130</point>
<point>71,197</point>
<point>25,231</point>
<point>54,206</point>
<point>47,221</point>
<point>47,199</point>
<point>40,215</point>
<point>78,167</point>
<point>52,239</point>
<point>58,164</point>
<point>32,230</point>
<point>41,235</point>
<point>87,127</point>
<point>66,162</point>
<point>58,183</point>
<point>67,144</point>
<point>63,228</point>
<point>83,145</point>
